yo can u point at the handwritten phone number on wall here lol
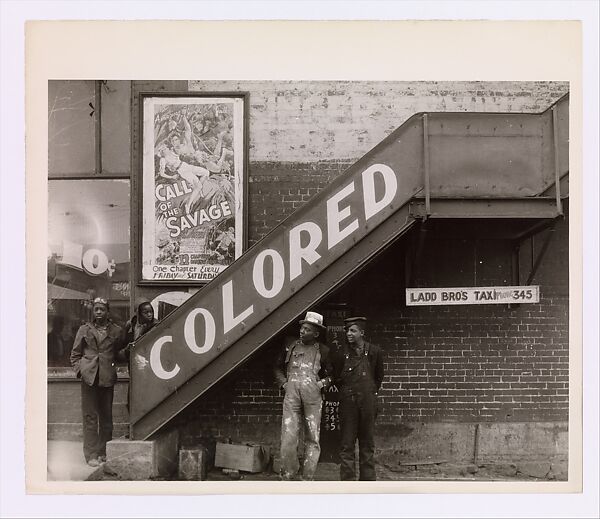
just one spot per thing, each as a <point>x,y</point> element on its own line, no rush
<point>331,416</point>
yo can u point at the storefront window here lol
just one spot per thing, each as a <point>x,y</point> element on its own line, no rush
<point>88,256</point>
<point>89,128</point>
<point>71,128</point>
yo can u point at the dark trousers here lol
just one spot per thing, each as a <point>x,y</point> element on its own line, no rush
<point>96,406</point>
<point>357,421</point>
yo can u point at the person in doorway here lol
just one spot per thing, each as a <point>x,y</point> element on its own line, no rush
<point>302,371</point>
<point>141,322</point>
<point>358,373</point>
<point>93,356</point>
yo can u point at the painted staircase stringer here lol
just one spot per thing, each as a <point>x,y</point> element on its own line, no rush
<point>339,218</point>
<point>319,288</point>
<point>502,155</point>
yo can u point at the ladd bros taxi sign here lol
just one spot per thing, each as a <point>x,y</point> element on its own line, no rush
<point>472,295</point>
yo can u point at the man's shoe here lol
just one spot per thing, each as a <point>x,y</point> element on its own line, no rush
<point>93,462</point>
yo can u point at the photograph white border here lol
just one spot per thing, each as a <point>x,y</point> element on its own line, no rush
<point>529,50</point>
<point>384,35</point>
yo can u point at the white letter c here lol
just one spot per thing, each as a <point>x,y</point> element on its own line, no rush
<point>155,362</point>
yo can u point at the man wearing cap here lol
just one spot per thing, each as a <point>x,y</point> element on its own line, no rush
<point>302,371</point>
<point>93,359</point>
<point>358,373</point>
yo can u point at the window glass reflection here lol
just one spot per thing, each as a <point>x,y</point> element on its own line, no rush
<point>88,257</point>
<point>71,128</point>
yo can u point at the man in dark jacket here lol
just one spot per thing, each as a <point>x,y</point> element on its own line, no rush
<point>358,373</point>
<point>93,358</point>
<point>302,370</point>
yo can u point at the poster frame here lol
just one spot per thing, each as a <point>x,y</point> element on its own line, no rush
<point>142,178</point>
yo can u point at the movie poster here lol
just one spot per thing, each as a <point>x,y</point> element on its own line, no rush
<point>193,186</point>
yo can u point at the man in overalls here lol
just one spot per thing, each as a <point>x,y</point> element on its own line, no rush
<point>358,373</point>
<point>302,370</point>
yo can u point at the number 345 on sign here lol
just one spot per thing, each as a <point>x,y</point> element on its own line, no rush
<point>472,295</point>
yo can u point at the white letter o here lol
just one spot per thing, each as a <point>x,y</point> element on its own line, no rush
<point>189,331</point>
<point>258,273</point>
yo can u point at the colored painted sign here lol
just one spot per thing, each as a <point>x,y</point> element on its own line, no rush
<point>264,278</point>
<point>472,295</point>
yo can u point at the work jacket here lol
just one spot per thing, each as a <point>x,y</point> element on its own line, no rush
<point>91,357</point>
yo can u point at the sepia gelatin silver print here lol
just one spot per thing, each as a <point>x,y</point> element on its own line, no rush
<point>385,293</point>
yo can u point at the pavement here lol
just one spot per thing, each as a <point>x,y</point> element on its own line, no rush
<point>390,472</point>
<point>387,472</point>
<point>66,462</point>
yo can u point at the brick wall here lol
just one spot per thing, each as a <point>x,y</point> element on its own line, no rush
<point>302,121</point>
<point>475,364</point>
<point>64,419</point>
<point>449,364</point>
<point>276,190</point>
<point>244,406</point>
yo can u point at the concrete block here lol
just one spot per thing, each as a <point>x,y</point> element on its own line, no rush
<point>167,448</point>
<point>500,442</point>
<point>420,441</point>
<point>143,459</point>
<point>193,463</point>
<point>526,441</point>
<point>131,459</point>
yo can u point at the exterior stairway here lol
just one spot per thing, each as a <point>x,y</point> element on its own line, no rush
<point>436,165</point>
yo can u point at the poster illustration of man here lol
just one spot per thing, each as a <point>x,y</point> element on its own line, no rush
<point>193,170</point>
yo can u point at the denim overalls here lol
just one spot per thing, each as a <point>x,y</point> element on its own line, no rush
<point>302,402</point>
<point>358,404</point>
